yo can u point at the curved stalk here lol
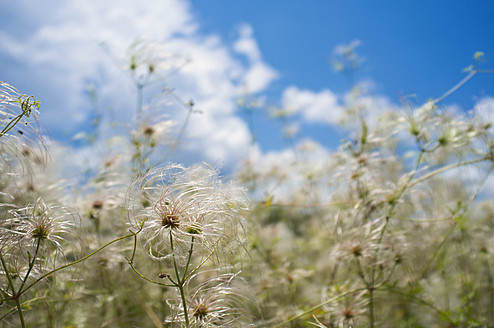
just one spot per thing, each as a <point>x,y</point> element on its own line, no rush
<point>75,262</point>
<point>31,265</point>
<point>189,258</point>
<point>180,283</point>
<point>15,295</point>
<point>312,309</point>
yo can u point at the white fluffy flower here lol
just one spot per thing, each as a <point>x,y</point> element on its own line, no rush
<point>177,206</point>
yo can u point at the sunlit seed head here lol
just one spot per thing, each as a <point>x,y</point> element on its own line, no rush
<point>443,141</point>
<point>97,204</point>
<point>26,152</point>
<point>398,258</point>
<point>170,221</point>
<point>200,311</point>
<point>356,250</point>
<point>414,130</point>
<point>133,63</point>
<point>40,232</point>
<point>149,131</point>
<point>181,203</point>
<point>194,230</point>
<point>30,187</point>
<point>347,313</point>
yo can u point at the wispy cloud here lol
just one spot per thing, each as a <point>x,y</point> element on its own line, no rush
<point>322,107</point>
<point>259,75</point>
<point>58,48</point>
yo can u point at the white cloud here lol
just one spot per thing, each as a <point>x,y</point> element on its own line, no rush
<point>260,75</point>
<point>61,53</point>
<point>246,44</point>
<point>322,107</point>
<point>327,107</point>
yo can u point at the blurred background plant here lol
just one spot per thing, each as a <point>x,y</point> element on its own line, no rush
<point>392,229</point>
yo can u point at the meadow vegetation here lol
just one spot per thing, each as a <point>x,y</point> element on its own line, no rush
<point>395,228</point>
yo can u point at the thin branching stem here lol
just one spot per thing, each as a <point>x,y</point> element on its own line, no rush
<point>75,262</point>
<point>428,305</point>
<point>149,279</point>
<point>31,265</point>
<point>456,86</point>
<point>19,311</point>
<point>200,265</point>
<point>180,283</point>
<point>7,273</point>
<point>8,313</point>
<point>371,285</point>
<point>444,169</point>
<point>131,263</point>
<point>15,295</point>
<point>312,309</point>
<point>188,258</point>
<point>461,212</point>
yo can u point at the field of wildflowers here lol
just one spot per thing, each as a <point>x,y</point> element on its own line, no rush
<point>392,229</point>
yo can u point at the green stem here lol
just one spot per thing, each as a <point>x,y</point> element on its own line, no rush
<point>312,309</point>
<point>444,169</point>
<point>430,306</point>
<point>463,209</point>
<point>19,311</point>
<point>16,296</point>
<point>75,262</point>
<point>456,87</point>
<point>8,313</point>
<point>199,266</point>
<point>7,273</point>
<point>180,283</point>
<point>31,265</point>
<point>371,307</point>
<point>436,252</point>
<point>184,304</point>
<point>490,279</point>
<point>371,286</point>
<point>131,263</point>
<point>189,258</point>
<point>148,279</point>
<point>360,271</point>
<point>11,124</point>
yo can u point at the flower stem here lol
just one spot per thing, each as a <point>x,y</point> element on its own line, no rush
<point>312,309</point>
<point>31,265</point>
<point>15,296</point>
<point>180,283</point>
<point>75,262</point>
<point>184,304</point>
<point>189,258</point>
<point>19,311</point>
<point>131,263</point>
<point>371,285</point>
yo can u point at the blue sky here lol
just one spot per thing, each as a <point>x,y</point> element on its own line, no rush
<point>406,44</point>
<point>280,51</point>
